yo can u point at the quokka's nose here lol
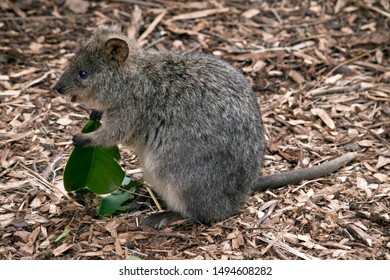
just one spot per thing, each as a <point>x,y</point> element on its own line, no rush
<point>59,89</point>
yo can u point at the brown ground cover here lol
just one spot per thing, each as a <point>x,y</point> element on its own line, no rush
<point>321,71</point>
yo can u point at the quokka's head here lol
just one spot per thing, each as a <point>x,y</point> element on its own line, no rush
<point>91,74</point>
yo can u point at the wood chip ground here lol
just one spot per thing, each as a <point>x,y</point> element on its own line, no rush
<point>321,72</point>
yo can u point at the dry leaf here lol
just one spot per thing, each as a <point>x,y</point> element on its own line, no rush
<point>382,161</point>
<point>4,77</point>
<point>13,93</point>
<point>61,249</point>
<point>363,185</point>
<point>333,79</point>
<point>112,227</point>
<point>382,177</point>
<point>118,247</point>
<point>360,235</point>
<point>368,38</point>
<point>296,76</point>
<point>64,121</point>
<point>379,56</point>
<point>136,22</point>
<point>324,117</point>
<point>37,201</point>
<point>366,143</point>
<point>250,13</point>
<point>259,66</point>
<point>33,236</point>
<point>35,47</point>
<point>21,236</point>
<point>238,241</point>
<point>199,14</point>
<point>77,6</point>
<point>26,249</point>
<point>152,26</point>
<point>25,72</point>
<point>340,4</point>
<point>385,4</point>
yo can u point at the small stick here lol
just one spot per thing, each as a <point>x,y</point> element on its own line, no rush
<point>375,9</point>
<point>268,213</point>
<point>369,131</point>
<point>50,185</point>
<point>153,197</point>
<point>271,243</point>
<point>352,60</point>
<point>221,38</point>
<point>277,15</point>
<point>297,47</point>
<point>44,17</point>
<point>341,89</point>
<point>154,43</point>
<point>141,3</point>
<point>161,233</point>
<point>51,166</point>
<point>152,26</point>
<point>281,245</point>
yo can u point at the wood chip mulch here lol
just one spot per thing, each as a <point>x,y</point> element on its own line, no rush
<point>321,71</point>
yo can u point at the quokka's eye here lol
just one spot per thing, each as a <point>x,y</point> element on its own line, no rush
<point>83,74</point>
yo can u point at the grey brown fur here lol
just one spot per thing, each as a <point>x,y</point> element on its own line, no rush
<point>192,120</point>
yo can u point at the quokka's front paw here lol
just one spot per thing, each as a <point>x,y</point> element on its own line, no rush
<point>95,115</point>
<point>81,140</point>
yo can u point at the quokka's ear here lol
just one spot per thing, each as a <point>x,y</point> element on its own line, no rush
<point>116,49</point>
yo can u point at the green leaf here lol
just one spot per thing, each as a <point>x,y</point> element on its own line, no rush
<point>133,258</point>
<point>126,181</point>
<point>93,167</point>
<point>129,183</point>
<point>113,203</point>
<point>62,235</point>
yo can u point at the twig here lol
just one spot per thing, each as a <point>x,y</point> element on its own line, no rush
<point>152,26</point>
<point>26,85</point>
<point>161,233</point>
<point>141,3</point>
<point>50,185</point>
<point>268,213</point>
<point>279,253</point>
<point>304,184</point>
<point>266,238</point>
<point>45,17</point>
<point>297,47</point>
<point>307,24</point>
<point>375,9</point>
<point>153,197</point>
<point>221,38</point>
<point>352,60</point>
<point>276,15</point>
<point>15,185</point>
<point>324,91</point>
<point>199,14</point>
<point>18,101</point>
<point>378,124</point>
<point>14,136</point>
<point>50,167</point>
<point>154,43</point>
<point>368,130</point>
<point>271,243</point>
